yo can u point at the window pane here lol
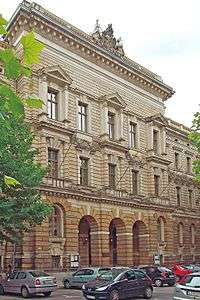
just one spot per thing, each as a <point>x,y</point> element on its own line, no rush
<point>52,105</point>
<point>135,182</point>
<point>132,135</point>
<point>84,171</point>
<point>82,117</point>
<point>111,125</point>
<point>53,162</point>
<point>111,175</point>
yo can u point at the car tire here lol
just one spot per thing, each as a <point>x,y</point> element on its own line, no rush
<point>148,293</point>
<point>171,284</point>
<point>114,295</point>
<point>47,294</point>
<point>1,290</point>
<point>24,292</point>
<point>158,283</point>
<point>67,284</point>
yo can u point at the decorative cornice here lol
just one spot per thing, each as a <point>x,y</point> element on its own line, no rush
<point>30,16</point>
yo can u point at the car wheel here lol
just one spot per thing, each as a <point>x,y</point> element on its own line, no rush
<point>66,284</point>
<point>114,295</point>
<point>47,294</point>
<point>158,283</point>
<point>24,292</point>
<point>171,284</point>
<point>148,293</point>
<point>1,290</point>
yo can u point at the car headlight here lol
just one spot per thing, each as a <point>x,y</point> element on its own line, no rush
<point>103,288</point>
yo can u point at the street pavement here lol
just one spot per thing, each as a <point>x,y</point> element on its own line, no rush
<point>163,293</point>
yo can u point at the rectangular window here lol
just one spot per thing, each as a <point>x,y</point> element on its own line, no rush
<point>53,162</point>
<point>178,195</point>
<point>135,182</point>
<point>82,117</point>
<point>190,197</point>
<point>132,134</point>
<point>52,104</point>
<point>111,125</point>
<point>155,141</point>
<point>84,171</point>
<point>156,184</point>
<point>188,164</point>
<point>111,170</point>
<point>56,262</point>
<point>176,156</point>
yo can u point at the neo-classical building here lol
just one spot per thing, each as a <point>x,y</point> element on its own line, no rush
<point>120,177</point>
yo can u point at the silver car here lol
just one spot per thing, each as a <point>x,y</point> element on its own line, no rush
<point>27,283</point>
<point>189,288</point>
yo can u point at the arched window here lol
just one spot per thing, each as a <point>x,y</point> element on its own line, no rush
<point>160,230</point>
<point>180,233</point>
<point>56,222</point>
<point>192,232</point>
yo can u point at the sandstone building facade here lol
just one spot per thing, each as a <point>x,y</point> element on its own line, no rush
<point>120,177</point>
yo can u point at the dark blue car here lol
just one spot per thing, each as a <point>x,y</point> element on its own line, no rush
<point>115,285</point>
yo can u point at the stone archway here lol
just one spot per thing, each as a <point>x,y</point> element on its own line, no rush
<point>117,242</point>
<point>88,241</point>
<point>140,243</point>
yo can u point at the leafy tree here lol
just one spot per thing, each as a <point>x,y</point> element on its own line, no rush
<point>21,205</point>
<point>194,136</point>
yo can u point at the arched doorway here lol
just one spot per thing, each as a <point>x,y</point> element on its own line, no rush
<point>117,242</point>
<point>140,243</point>
<point>88,241</point>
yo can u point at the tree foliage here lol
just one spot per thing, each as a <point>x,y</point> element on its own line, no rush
<point>194,136</point>
<point>21,205</point>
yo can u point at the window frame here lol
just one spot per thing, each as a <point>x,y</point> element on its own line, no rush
<point>84,171</point>
<point>178,195</point>
<point>135,181</point>
<point>155,141</point>
<point>52,103</point>
<point>156,185</point>
<point>112,175</point>
<point>132,134</point>
<point>82,116</point>
<point>111,125</point>
<point>53,161</point>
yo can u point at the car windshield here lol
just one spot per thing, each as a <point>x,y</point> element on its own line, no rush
<point>38,274</point>
<point>163,269</point>
<point>192,280</point>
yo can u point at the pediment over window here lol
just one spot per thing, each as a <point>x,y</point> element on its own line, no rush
<point>114,99</point>
<point>56,74</point>
<point>158,119</point>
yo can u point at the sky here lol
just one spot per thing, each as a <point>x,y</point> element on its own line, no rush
<point>162,35</point>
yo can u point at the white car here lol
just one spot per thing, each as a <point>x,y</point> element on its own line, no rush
<point>189,288</point>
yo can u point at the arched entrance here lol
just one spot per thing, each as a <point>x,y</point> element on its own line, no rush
<point>117,242</point>
<point>88,241</point>
<point>140,243</point>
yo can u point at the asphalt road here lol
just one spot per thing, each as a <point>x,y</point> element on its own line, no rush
<point>163,293</point>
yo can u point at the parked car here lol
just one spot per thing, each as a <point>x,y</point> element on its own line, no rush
<point>119,284</point>
<point>27,283</point>
<point>78,278</point>
<point>192,267</point>
<point>180,271</point>
<point>189,289</point>
<point>160,275</point>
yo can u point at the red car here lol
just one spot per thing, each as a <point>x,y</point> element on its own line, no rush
<point>180,271</point>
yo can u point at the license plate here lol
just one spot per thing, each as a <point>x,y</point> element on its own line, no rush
<point>171,276</point>
<point>47,281</point>
<point>90,297</point>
